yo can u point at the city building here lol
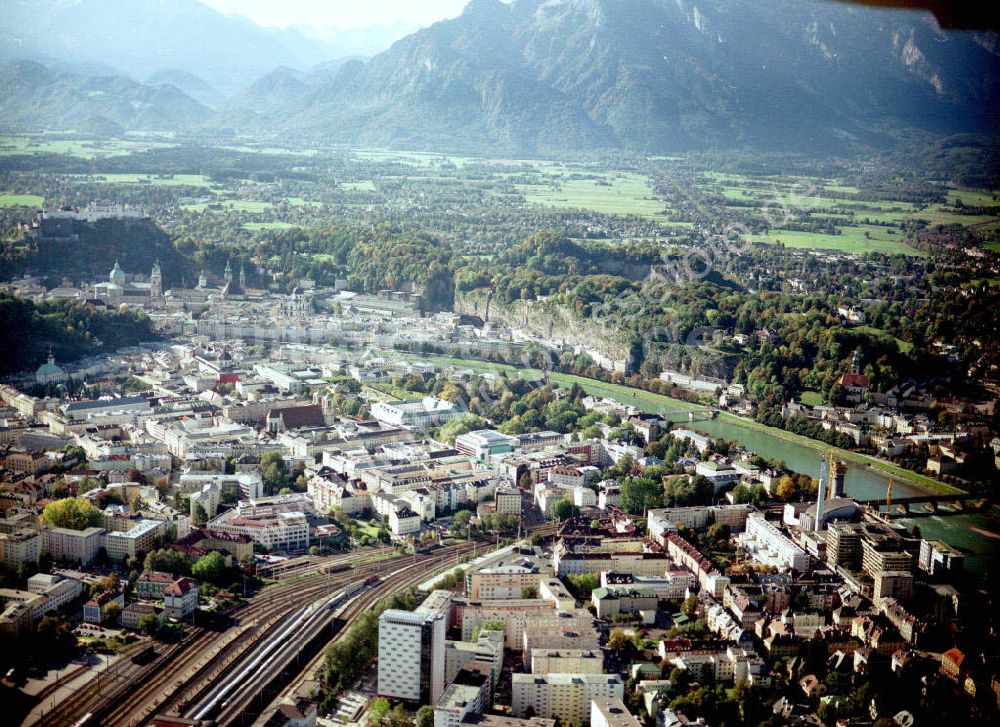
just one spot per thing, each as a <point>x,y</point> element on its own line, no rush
<point>152,584</point>
<point>937,558</point>
<point>508,501</point>
<point>484,443</point>
<point>137,539</point>
<point>615,600</point>
<point>468,696</point>
<point>17,611</point>
<point>275,523</point>
<point>770,546</point>
<point>72,546</point>
<point>20,546</point>
<point>93,610</point>
<point>419,414</point>
<point>135,612</point>
<point>566,661</point>
<point>180,598</point>
<point>566,697</point>
<point>411,656</point>
<point>605,712</point>
<point>59,591</point>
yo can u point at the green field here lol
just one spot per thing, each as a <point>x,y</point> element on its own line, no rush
<point>23,200</point>
<point>300,202</point>
<point>364,186</point>
<point>851,240</point>
<point>623,194</point>
<point>974,198</point>
<point>269,226</point>
<point>171,180</point>
<point>904,346</point>
<point>811,398</point>
<point>82,148</point>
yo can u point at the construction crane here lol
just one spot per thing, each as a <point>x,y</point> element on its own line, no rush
<point>888,498</point>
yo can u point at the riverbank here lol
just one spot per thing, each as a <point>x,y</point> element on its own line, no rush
<point>932,486</point>
<point>652,403</point>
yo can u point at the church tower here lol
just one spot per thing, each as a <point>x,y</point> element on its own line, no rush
<point>243,278</point>
<point>229,271</point>
<point>156,281</point>
<point>203,279</point>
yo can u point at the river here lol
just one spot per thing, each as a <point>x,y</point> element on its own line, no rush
<point>965,532</point>
<point>975,535</point>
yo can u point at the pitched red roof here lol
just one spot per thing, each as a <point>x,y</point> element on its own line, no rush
<point>859,381</point>
<point>955,656</point>
<point>180,587</point>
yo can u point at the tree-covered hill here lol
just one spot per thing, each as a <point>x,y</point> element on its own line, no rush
<point>135,244</point>
<point>71,330</point>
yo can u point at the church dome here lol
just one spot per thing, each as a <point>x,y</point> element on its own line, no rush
<point>117,276</point>
<point>49,372</point>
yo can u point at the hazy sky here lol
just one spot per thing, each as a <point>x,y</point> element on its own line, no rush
<point>341,13</point>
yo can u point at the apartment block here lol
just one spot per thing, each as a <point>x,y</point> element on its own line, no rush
<point>20,546</point>
<point>770,546</point>
<point>567,661</point>
<point>65,545</point>
<point>563,696</point>
<point>605,712</point>
<point>411,656</point>
<point>468,695</point>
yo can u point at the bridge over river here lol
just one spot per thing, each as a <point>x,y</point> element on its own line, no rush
<point>959,502</point>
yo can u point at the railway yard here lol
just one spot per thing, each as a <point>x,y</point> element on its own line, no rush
<point>230,669</point>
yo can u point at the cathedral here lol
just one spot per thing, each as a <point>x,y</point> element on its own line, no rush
<point>118,289</point>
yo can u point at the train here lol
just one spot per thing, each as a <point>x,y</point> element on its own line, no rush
<point>351,591</point>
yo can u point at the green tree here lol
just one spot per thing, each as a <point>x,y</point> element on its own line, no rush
<point>209,567</point>
<point>112,611</point>
<point>461,521</point>
<point>742,494</point>
<point>718,532</point>
<point>149,624</point>
<point>74,513</point>
<point>55,637</point>
<point>529,592</point>
<point>459,426</point>
<point>425,716</point>
<point>564,509</point>
<point>618,640</point>
<point>167,560</point>
<point>379,709</point>
<point>690,606</point>
<point>640,494</point>
<point>199,516</point>
<point>399,718</point>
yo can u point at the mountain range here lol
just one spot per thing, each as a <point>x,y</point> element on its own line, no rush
<point>531,76</point>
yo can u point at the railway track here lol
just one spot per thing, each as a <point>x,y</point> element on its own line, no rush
<point>167,687</point>
<point>311,669</point>
<point>116,693</point>
<point>244,702</point>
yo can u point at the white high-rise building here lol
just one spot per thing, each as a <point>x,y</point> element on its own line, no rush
<point>566,696</point>
<point>411,655</point>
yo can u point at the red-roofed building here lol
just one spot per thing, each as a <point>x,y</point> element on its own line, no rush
<point>952,663</point>
<point>854,382</point>
<point>180,598</point>
<point>200,542</point>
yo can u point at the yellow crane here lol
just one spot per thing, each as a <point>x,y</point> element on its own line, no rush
<point>888,498</point>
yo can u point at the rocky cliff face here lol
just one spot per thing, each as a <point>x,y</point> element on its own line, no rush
<point>554,324</point>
